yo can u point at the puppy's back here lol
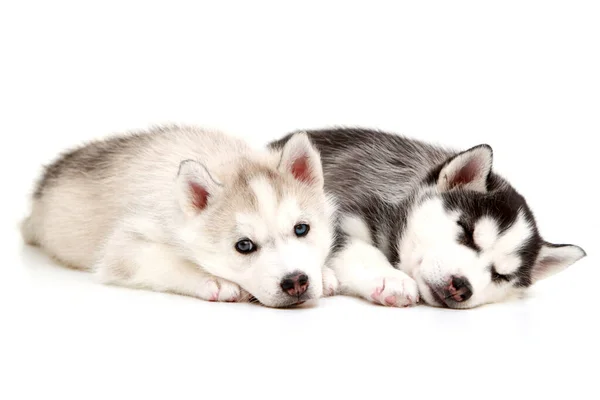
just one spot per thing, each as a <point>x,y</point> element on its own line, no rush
<point>83,194</point>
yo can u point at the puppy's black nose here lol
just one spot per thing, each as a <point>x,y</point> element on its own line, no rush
<point>295,283</point>
<point>459,289</point>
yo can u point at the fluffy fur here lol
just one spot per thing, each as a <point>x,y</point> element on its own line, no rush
<point>165,210</point>
<point>420,220</point>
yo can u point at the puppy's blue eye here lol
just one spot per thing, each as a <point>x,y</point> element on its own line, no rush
<point>301,230</point>
<point>245,246</point>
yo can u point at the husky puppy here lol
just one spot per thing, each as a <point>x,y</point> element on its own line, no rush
<point>416,219</point>
<point>189,211</point>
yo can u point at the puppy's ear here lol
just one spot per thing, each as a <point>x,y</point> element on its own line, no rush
<point>468,170</point>
<point>196,187</point>
<point>554,258</point>
<point>300,158</point>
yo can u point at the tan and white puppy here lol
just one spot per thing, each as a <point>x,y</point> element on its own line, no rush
<point>190,211</point>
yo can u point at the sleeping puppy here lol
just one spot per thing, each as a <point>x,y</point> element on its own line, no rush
<point>416,220</point>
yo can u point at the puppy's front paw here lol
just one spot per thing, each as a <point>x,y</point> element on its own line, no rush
<point>330,282</point>
<point>228,291</point>
<point>218,289</point>
<point>395,291</point>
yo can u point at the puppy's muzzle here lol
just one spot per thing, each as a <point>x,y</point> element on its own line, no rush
<point>458,289</point>
<point>295,284</point>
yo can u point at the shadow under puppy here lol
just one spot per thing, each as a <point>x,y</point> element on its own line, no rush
<point>190,211</point>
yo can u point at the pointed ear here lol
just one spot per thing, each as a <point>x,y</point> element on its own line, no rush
<point>468,170</point>
<point>195,187</point>
<point>554,258</point>
<point>300,158</point>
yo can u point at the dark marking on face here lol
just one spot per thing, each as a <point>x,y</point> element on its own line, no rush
<point>466,236</point>
<point>499,278</point>
<point>503,207</point>
<point>528,254</point>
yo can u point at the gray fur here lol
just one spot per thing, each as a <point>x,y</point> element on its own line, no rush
<point>98,157</point>
<point>361,164</point>
<point>383,178</point>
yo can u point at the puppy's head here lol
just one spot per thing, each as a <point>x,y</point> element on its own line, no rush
<point>473,240</point>
<point>266,227</point>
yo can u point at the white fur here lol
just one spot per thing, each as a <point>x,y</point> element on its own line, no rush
<point>485,233</point>
<point>513,238</point>
<point>355,227</point>
<point>134,219</point>
<point>436,256</point>
<point>394,189</point>
<point>156,266</point>
<point>281,252</point>
<point>364,271</point>
<point>330,282</point>
<point>265,196</point>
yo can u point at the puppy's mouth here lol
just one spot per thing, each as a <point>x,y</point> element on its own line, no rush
<point>437,297</point>
<point>296,301</point>
<point>293,302</point>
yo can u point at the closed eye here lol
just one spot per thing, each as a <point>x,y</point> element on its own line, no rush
<point>499,278</point>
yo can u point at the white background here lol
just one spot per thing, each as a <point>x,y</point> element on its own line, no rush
<point>521,76</point>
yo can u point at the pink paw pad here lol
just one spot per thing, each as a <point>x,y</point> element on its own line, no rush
<point>377,293</point>
<point>214,296</point>
<point>390,300</point>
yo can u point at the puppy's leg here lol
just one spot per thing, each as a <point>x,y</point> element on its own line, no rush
<point>137,263</point>
<point>364,271</point>
<point>330,282</point>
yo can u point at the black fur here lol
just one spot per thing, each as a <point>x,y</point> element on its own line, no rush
<point>503,205</point>
<point>409,162</point>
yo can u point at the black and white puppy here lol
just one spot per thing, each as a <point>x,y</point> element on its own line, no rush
<point>416,220</point>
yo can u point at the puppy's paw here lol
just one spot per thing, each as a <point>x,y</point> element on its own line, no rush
<point>208,289</point>
<point>330,282</point>
<point>394,291</point>
<point>228,291</point>
<point>218,289</point>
